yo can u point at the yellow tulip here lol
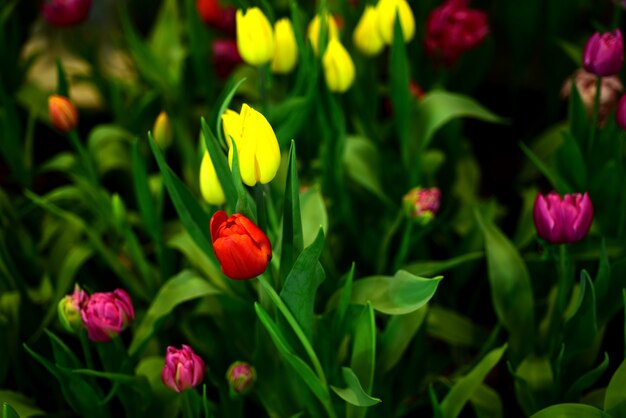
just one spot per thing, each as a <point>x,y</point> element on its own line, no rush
<point>386,11</point>
<point>257,147</point>
<point>255,40</point>
<point>162,130</point>
<point>210,186</point>
<point>314,30</point>
<point>366,36</point>
<point>338,67</point>
<point>286,50</point>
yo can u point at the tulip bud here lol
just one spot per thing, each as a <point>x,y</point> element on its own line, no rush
<point>563,221</point>
<point>225,56</point>
<point>386,11</point>
<point>210,186</point>
<point>314,30</point>
<point>162,130</point>
<point>422,204</point>
<point>366,36</point>
<point>620,113</point>
<point>69,309</point>
<point>183,368</point>
<point>241,377</point>
<point>603,54</point>
<point>106,314</point>
<point>453,28</point>
<point>243,250</point>
<point>258,152</point>
<point>286,51</point>
<point>338,67</point>
<point>216,16</point>
<point>416,90</point>
<point>610,89</point>
<point>63,13</point>
<point>63,113</point>
<point>255,39</point>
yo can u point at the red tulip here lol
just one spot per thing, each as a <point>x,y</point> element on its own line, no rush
<point>242,249</point>
<point>217,16</point>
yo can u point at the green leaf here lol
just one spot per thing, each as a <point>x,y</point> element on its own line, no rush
<point>225,99</point>
<point>361,160</point>
<point>354,393</point>
<point>364,348</point>
<point>109,148</point>
<point>292,241</point>
<point>453,328</point>
<point>346,295</point>
<point>511,291</point>
<point>399,89</point>
<point>465,387</point>
<point>571,164</point>
<point>7,411</point>
<point>145,202</point>
<point>63,356</point>
<point>182,288</point>
<point>439,107</point>
<point>220,162</point>
<point>20,405</point>
<point>570,410</point>
<point>577,116</point>
<point>581,328</point>
<point>534,382</point>
<point>302,282</point>
<point>429,268</point>
<point>397,336</point>
<point>555,180</point>
<point>62,89</point>
<point>615,398</point>
<point>586,381</point>
<point>394,295</point>
<point>314,214</point>
<point>165,40</point>
<point>487,402</point>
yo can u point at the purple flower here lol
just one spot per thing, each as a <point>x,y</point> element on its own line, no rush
<point>183,368</point>
<point>66,12</point>
<point>241,377</point>
<point>604,53</point>
<point>106,314</point>
<point>563,221</point>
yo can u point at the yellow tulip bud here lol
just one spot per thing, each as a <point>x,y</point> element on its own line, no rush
<point>314,30</point>
<point>338,67</point>
<point>286,50</point>
<point>366,36</point>
<point>257,147</point>
<point>386,11</point>
<point>210,186</point>
<point>255,40</point>
<point>162,130</point>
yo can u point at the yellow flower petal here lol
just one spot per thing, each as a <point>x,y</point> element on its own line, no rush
<point>210,186</point>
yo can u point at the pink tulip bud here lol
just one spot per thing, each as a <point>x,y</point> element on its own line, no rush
<point>106,314</point>
<point>563,221</point>
<point>63,13</point>
<point>183,368</point>
<point>69,309</point>
<point>241,377</point>
<point>422,204</point>
<point>604,53</point>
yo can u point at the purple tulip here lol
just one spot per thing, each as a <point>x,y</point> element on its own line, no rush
<point>66,12</point>
<point>183,368</point>
<point>106,314</point>
<point>241,377</point>
<point>563,221</point>
<point>225,56</point>
<point>604,53</point>
<point>620,113</point>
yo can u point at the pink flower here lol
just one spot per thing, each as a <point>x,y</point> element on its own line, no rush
<point>563,221</point>
<point>422,204</point>
<point>241,377</point>
<point>620,113</point>
<point>453,28</point>
<point>106,314</point>
<point>183,368</point>
<point>604,53</point>
<point>66,12</point>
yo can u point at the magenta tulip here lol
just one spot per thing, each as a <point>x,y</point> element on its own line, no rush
<point>563,221</point>
<point>183,368</point>
<point>63,13</point>
<point>106,314</point>
<point>604,53</point>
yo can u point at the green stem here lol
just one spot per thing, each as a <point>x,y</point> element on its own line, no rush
<point>82,335</point>
<point>403,251</point>
<point>85,158</point>
<point>384,245</point>
<point>564,288</point>
<point>594,120</point>
<point>187,407</point>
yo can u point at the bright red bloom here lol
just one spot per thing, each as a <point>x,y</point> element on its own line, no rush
<point>604,53</point>
<point>66,12</point>
<point>563,221</point>
<point>216,16</point>
<point>240,246</point>
<point>453,28</point>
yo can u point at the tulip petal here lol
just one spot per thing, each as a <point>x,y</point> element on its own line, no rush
<point>216,221</point>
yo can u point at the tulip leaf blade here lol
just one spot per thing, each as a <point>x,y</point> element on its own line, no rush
<point>615,397</point>
<point>354,393</point>
<point>292,238</point>
<point>19,404</point>
<point>571,410</point>
<point>571,163</point>
<point>179,289</point>
<point>226,97</point>
<point>400,94</point>
<point>302,282</point>
<point>222,169</point>
<point>363,359</point>
<point>244,204</point>
<point>581,328</point>
<point>8,412</point>
<point>62,89</point>
<point>397,335</point>
<point>586,380</point>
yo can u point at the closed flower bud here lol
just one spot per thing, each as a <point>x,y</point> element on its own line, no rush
<point>63,13</point>
<point>286,49</point>
<point>603,54</point>
<point>314,30</point>
<point>257,147</point>
<point>255,39</point>
<point>338,67</point>
<point>610,89</point>
<point>69,309</point>
<point>63,113</point>
<point>242,249</point>
<point>453,29</point>
<point>366,36</point>
<point>563,221</point>
<point>210,186</point>
<point>162,130</point>
<point>620,113</point>
<point>422,204</point>
<point>217,16</point>
<point>386,11</point>
<point>183,368</point>
<point>241,377</point>
<point>107,314</point>
<point>225,56</point>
